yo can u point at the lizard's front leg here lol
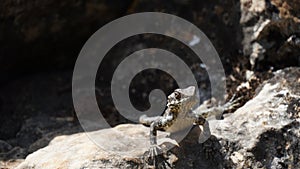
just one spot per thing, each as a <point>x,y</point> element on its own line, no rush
<point>145,120</point>
<point>155,154</point>
<point>204,126</point>
<point>201,116</point>
<point>159,124</point>
<point>217,111</point>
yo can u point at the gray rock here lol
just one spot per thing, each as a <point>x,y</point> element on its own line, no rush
<point>119,147</point>
<point>264,133</point>
<point>266,129</point>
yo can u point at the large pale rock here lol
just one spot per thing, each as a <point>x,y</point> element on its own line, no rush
<point>119,147</point>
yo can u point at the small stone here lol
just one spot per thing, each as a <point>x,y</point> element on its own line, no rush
<point>236,157</point>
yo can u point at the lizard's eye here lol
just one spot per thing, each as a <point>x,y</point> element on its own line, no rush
<point>177,95</point>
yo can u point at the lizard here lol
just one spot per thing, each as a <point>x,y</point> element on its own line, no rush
<point>181,114</point>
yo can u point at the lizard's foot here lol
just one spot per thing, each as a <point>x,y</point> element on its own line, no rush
<point>154,158</point>
<point>232,103</point>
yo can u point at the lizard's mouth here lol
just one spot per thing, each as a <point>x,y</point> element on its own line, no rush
<point>173,105</point>
<point>170,105</point>
<point>172,102</point>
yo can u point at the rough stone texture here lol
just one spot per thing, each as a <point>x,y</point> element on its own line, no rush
<point>10,163</point>
<point>271,32</point>
<point>35,133</point>
<point>119,147</point>
<point>264,133</point>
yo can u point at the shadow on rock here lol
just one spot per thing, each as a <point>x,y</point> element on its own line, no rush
<point>191,154</point>
<point>279,148</point>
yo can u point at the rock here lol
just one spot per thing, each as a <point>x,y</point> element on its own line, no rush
<point>266,129</point>
<point>236,157</point>
<point>120,147</point>
<point>264,133</point>
<point>271,32</point>
<point>12,158</point>
<point>13,163</point>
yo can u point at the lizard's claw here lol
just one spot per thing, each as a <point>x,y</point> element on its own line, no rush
<point>154,158</point>
<point>232,103</point>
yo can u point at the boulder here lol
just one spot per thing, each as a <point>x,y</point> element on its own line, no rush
<point>119,147</point>
<point>265,131</point>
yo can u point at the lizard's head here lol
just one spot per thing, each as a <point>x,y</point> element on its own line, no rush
<point>183,99</point>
